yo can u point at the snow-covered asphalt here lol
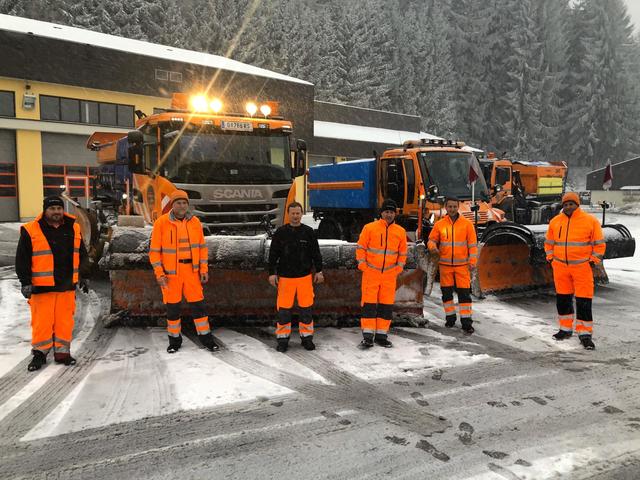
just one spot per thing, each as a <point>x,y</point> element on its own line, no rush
<point>507,402</point>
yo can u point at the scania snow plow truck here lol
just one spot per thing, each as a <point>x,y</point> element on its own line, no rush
<point>239,172</point>
<point>418,177</point>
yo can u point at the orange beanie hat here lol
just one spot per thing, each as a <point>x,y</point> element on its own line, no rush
<point>178,195</point>
<point>571,197</point>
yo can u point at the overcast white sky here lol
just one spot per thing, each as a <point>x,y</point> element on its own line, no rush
<point>633,6</point>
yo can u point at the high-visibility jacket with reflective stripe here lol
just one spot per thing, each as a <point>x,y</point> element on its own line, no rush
<point>382,247</point>
<point>455,240</point>
<point>575,239</point>
<point>164,245</point>
<point>42,263</point>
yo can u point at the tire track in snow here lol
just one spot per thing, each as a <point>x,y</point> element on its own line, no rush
<point>46,397</point>
<point>351,392</point>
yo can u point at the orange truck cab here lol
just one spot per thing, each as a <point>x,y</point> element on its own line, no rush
<point>418,176</point>
<point>238,169</point>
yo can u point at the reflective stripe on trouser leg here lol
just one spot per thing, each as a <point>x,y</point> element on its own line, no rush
<point>464,299</point>
<point>305,326</point>
<point>564,305</point>
<point>584,316</point>
<point>42,319</point>
<point>200,318</point>
<point>283,326</point>
<point>173,319</point>
<point>383,319</point>
<point>447,302</point>
<point>63,321</point>
<point>368,319</point>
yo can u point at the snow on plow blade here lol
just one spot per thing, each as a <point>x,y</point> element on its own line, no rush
<point>238,288</point>
<point>512,258</point>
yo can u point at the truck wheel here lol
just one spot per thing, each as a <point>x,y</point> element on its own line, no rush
<point>330,229</point>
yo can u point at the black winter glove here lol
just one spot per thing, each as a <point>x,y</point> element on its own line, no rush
<point>83,284</point>
<point>26,291</point>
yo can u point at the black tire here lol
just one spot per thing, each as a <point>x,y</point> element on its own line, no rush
<point>329,228</point>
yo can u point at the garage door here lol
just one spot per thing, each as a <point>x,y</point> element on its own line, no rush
<point>66,161</point>
<point>8,179</point>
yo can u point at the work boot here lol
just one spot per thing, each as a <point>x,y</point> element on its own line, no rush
<point>587,342</point>
<point>37,361</point>
<point>450,321</point>
<point>174,344</point>
<point>64,358</point>
<point>466,326</point>
<point>209,343</point>
<point>562,335</point>
<point>283,345</point>
<point>383,342</point>
<point>307,343</point>
<point>365,344</point>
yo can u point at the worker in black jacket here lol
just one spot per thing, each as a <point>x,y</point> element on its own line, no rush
<point>294,252</point>
<point>48,261</point>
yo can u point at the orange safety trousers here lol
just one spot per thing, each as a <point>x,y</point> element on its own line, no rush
<point>378,296</point>
<point>460,278</point>
<point>574,280</point>
<point>52,321</point>
<point>186,283</point>
<point>288,290</point>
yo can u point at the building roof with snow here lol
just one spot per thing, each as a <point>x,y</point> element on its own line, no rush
<point>102,40</point>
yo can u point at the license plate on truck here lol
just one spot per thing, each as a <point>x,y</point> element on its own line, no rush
<point>237,126</point>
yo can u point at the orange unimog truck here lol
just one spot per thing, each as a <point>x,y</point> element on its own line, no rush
<point>529,193</point>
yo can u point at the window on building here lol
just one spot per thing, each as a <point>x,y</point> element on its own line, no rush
<point>89,112</point>
<point>7,104</point>
<point>125,115</point>
<point>77,178</point>
<point>69,110</point>
<point>162,74</point>
<point>84,111</point>
<point>175,77</point>
<point>7,179</point>
<point>49,108</point>
<point>108,114</point>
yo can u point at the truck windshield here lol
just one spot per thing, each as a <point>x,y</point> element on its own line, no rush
<point>206,158</point>
<point>450,172</point>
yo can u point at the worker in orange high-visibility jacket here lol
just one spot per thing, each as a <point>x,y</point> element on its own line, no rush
<point>293,253</point>
<point>454,238</point>
<point>49,258</point>
<point>381,255</point>
<point>574,242</point>
<point>179,257</point>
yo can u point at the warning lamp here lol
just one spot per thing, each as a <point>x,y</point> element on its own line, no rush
<point>215,105</point>
<point>265,110</point>
<point>251,108</point>
<point>199,103</point>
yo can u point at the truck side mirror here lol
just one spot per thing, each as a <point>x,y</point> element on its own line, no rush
<point>497,188</point>
<point>300,162</point>
<point>136,141</point>
<point>432,193</point>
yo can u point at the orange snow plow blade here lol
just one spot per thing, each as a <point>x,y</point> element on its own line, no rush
<point>238,288</point>
<point>512,258</point>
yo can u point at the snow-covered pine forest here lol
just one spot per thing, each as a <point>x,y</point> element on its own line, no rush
<point>540,79</point>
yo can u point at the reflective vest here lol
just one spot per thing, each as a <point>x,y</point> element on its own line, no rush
<point>382,247</point>
<point>456,241</point>
<point>575,239</point>
<point>165,245</point>
<point>42,256</point>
